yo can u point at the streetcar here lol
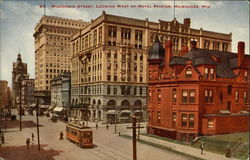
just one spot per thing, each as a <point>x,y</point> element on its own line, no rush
<point>81,135</point>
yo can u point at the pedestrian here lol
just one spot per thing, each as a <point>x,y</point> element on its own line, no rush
<point>3,139</point>
<point>202,147</point>
<point>28,143</point>
<point>61,135</point>
<point>96,126</point>
<point>32,136</point>
<point>107,127</point>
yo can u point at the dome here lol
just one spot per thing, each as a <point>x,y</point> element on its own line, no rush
<point>156,51</point>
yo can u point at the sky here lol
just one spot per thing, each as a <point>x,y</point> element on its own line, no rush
<point>18,20</point>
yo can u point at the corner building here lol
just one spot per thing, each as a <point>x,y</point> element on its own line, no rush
<point>207,90</point>
<point>52,48</point>
<point>109,62</point>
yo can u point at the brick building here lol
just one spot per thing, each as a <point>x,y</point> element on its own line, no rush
<point>200,92</point>
<point>109,61</point>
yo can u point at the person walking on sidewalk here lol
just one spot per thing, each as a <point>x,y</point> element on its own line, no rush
<point>96,126</point>
<point>3,139</point>
<point>61,135</point>
<point>107,126</point>
<point>32,136</point>
<point>202,147</point>
<point>28,143</point>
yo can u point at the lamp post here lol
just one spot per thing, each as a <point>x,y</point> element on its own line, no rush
<point>115,119</point>
<point>19,82</point>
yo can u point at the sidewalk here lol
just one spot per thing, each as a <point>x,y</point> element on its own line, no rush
<point>186,149</point>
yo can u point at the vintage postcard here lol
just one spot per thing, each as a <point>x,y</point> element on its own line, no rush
<point>124,80</point>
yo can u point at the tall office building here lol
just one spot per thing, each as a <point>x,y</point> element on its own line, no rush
<point>109,62</point>
<point>52,48</point>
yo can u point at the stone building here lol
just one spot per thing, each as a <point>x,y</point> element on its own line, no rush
<point>5,97</point>
<point>28,89</point>
<point>19,73</point>
<point>109,61</point>
<point>52,48</point>
<point>61,90</point>
<point>201,92</point>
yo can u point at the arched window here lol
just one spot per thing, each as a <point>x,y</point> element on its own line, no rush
<point>111,103</point>
<point>125,103</point>
<point>138,103</point>
<point>189,72</point>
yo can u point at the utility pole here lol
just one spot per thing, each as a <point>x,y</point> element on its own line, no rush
<point>37,123</point>
<point>134,136</point>
<point>20,105</point>
<point>139,123</point>
<point>115,119</point>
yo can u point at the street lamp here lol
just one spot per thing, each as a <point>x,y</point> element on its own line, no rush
<point>18,81</point>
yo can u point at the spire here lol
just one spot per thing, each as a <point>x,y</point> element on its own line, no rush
<point>44,8</point>
<point>174,9</point>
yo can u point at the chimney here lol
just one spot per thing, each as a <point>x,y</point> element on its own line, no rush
<point>187,22</point>
<point>241,52</point>
<point>184,50</point>
<point>168,53</point>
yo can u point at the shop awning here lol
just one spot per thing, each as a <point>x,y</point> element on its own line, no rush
<point>138,111</point>
<point>224,112</point>
<point>244,112</point>
<point>58,109</point>
<point>44,106</point>
<point>111,112</point>
<point>125,111</point>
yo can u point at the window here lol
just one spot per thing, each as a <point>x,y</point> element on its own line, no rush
<point>191,96</point>
<point>216,45</point>
<point>108,90</point>
<point>122,90</point>
<point>191,120</point>
<point>184,120</point>
<point>206,73</point>
<point>210,124</point>
<point>158,95</point>
<point>221,98</point>
<point>109,77</point>
<point>206,44</point>
<point>140,90</point>
<point>135,90</point>
<point>174,95</point>
<point>245,97</point>
<point>236,97</point>
<point>224,46</point>
<point>211,73</point>
<point>229,89</point>
<point>184,96</point>
<point>208,96</point>
<point>115,90</point>
<point>245,75</point>
<point>158,115</point>
<point>189,72</point>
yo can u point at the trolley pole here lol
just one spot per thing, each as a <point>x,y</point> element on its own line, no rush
<point>115,120</point>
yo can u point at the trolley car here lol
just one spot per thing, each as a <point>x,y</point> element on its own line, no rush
<point>81,135</point>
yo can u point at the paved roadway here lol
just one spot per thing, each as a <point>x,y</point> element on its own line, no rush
<point>109,145</point>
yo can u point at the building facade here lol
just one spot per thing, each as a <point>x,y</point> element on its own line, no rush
<point>61,90</point>
<point>5,97</point>
<point>207,90</point>
<point>109,61</point>
<point>52,48</point>
<point>28,89</point>
<point>19,73</point>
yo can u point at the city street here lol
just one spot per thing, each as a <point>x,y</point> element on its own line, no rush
<point>109,146</point>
